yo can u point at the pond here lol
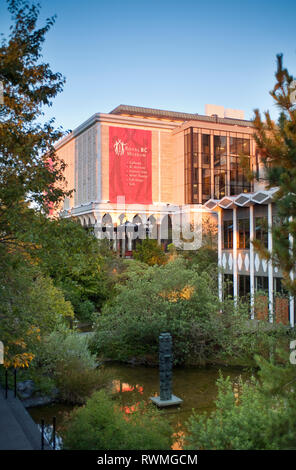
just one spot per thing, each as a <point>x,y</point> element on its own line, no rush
<point>133,384</point>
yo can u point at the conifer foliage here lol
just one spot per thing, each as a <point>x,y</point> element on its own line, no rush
<point>276,143</point>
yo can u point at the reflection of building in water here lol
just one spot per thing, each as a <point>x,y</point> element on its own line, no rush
<point>134,168</point>
<point>121,387</point>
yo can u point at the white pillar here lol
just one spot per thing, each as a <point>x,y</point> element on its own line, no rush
<point>158,227</point>
<point>270,267</point>
<point>292,302</point>
<point>129,242</point>
<point>220,283</point>
<point>252,258</point>
<point>235,277</point>
<point>123,247</point>
<point>114,247</point>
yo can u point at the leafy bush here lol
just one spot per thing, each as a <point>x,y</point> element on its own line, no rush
<point>150,252</point>
<point>205,258</point>
<point>31,307</point>
<point>63,346</point>
<point>85,310</point>
<point>76,382</point>
<point>183,301</point>
<point>101,425</point>
<point>261,416</point>
<point>64,356</point>
<point>169,298</point>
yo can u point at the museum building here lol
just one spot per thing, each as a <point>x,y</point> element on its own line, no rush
<point>140,171</point>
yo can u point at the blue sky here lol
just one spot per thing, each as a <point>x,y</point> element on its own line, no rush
<point>165,54</point>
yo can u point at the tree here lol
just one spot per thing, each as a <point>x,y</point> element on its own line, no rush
<point>251,415</point>
<point>277,147</point>
<point>72,256</point>
<point>179,299</point>
<point>27,177</point>
<point>31,181</point>
<point>209,231</point>
<point>264,414</point>
<point>150,252</point>
<point>31,307</point>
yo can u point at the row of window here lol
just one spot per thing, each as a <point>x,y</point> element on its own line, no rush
<point>261,284</point>
<point>235,176</point>
<point>243,232</point>
<point>237,145</point>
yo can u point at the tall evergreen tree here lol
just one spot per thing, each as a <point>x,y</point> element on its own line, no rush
<point>276,143</point>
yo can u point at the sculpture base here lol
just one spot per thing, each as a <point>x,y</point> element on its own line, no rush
<point>174,401</point>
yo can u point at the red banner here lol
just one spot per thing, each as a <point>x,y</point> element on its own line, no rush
<point>130,165</point>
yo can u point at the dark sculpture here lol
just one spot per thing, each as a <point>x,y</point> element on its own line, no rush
<point>165,366</point>
<point>165,398</point>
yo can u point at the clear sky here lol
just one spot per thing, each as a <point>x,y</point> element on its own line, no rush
<point>174,55</point>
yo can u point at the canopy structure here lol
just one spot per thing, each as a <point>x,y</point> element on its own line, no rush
<point>242,200</point>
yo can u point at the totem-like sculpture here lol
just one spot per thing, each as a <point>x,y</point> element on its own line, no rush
<point>165,366</point>
<point>166,398</point>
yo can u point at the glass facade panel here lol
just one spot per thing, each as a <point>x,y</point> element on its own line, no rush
<point>261,283</point>
<point>243,286</point>
<point>239,182</point>
<point>220,184</point>
<point>261,232</point>
<point>228,234</point>
<point>206,184</point>
<point>205,149</point>
<point>222,176</point>
<point>244,233</point>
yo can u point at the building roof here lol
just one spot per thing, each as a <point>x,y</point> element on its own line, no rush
<point>242,200</point>
<point>175,115</point>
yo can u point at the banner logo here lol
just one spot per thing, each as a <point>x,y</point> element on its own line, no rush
<point>119,147</point>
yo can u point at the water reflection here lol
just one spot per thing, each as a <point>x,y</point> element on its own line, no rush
<point>134,385</point>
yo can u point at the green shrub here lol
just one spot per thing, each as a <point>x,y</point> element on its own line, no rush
<point>230,426</point>
<point>65,357</point>
<point>76,382</point>
<point>183,301</point>
<point>85,311</point>
<point>150,252</point>
<point>101,425</point>
<point>63,346</point>
<point>260,415</point>
<point>205,258</point>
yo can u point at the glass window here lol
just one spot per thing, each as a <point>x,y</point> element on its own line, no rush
<point>261,232</point>
<point>228,234</point>
<point>243,286</point>
<point>243,233</point>
<point>206,184</point>
<point>239,146</point>
<point>246,146</point>
<point>220,149</point>
<point>233,146</point>
<point>220,184</point>
<point>195,143</point>
<point>261,283</point>
<point>205,148</point>
<point>228,285</point>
